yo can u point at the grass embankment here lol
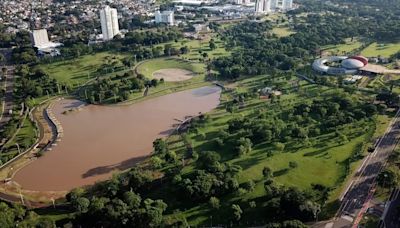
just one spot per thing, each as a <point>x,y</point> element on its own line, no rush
<point>324,162</point>
<point>381,49</point>
<point>24,139</point>
<point>78,71</point>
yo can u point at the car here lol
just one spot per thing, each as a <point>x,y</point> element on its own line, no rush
<point>371,149</point>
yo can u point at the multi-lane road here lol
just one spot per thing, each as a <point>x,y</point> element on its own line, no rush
<point>355,200</point>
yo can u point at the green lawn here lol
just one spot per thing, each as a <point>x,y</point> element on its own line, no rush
<point>79,70</point>
<point>323,162</point>
<point>197,46</point>
<point>382,49</point>
<point>282,31</point>
<point>24,138</point>
<point>147,68</point>
<point>342,49</point>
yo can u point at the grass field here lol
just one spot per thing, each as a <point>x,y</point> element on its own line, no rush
<point>197,46</point>
<point>323,162</point>
<point>80,70</point>
<point>383,50</point>
<point>24,138</point>
<point>282,31</point>
<point>342,49</point>
<point>147,68</point>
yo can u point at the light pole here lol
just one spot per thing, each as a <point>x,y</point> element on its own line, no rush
<point>19,149</point>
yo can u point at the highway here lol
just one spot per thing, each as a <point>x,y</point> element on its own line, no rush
<point>355,201</point>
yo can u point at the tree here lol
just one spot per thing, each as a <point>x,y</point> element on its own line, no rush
<point>279,146</point>
<point>293,224</point>
<point>81,204</point>
<point>249,185</point>
<point>244,146</point>
<point>209,160</point>
<point>293,164</point>
<point>156,162</point>
<point>160,147</point>
<point>212,45</point>
<point>267,172</point>
<point>214,202</point>
<point>132,199</point>
<point>237,212</point>
<point>387,178</point>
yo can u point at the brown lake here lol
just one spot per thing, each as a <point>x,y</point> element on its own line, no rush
<point>98,140</point>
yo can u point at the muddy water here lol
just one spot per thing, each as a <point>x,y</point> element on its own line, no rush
<point>99,140</point>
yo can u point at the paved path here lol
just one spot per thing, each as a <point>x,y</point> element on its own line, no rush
<point>360,191</point>
<point>7,105</point>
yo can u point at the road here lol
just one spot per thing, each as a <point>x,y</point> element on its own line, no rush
<point>392,213</point>
<point>7,105</point>
<point>360,191</point>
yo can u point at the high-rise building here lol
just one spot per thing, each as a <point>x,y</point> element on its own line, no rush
<point>287,4</point>
<point>109,23</point>
<point>166,17</point>
<point>283,5</point>
<point>263,6</point>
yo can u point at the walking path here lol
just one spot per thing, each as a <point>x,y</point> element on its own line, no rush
<point>7,104</point>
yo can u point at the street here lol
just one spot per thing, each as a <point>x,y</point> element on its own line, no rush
<point>356,200</point>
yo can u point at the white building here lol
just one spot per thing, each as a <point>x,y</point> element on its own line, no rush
<point>266,6</point>
<point>166,17</point>
<point>40,40</point>
<point>263,6</point>
<point>241,2</point>
<point>109,23</point>
<point>282,5</point>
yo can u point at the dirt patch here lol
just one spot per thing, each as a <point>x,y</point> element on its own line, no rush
<point>173,74</point>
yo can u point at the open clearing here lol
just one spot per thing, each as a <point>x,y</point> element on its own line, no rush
<point>345,48</point>
<point>148,68</point>
<point>282,31</point>
<point>173,75</point>
<point>78,71</point>
<point>383,50</point>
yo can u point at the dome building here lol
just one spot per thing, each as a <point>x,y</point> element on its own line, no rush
<point>345,65</point>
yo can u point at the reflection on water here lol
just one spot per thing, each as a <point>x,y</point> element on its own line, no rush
<point>100,139</point>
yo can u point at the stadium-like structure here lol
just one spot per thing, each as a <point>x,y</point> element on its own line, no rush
<point>340,65</point>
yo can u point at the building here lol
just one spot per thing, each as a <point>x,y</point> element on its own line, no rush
<point>263,6</point>
<point>109,23</point>
<point>40,40</point>
<point>287,5</point>
<point>166,17</point>
<point>282,5</point>
<point>344,65</point>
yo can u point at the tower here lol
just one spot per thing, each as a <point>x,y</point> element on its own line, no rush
<point>109,23</point>
<point>263,6</point>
